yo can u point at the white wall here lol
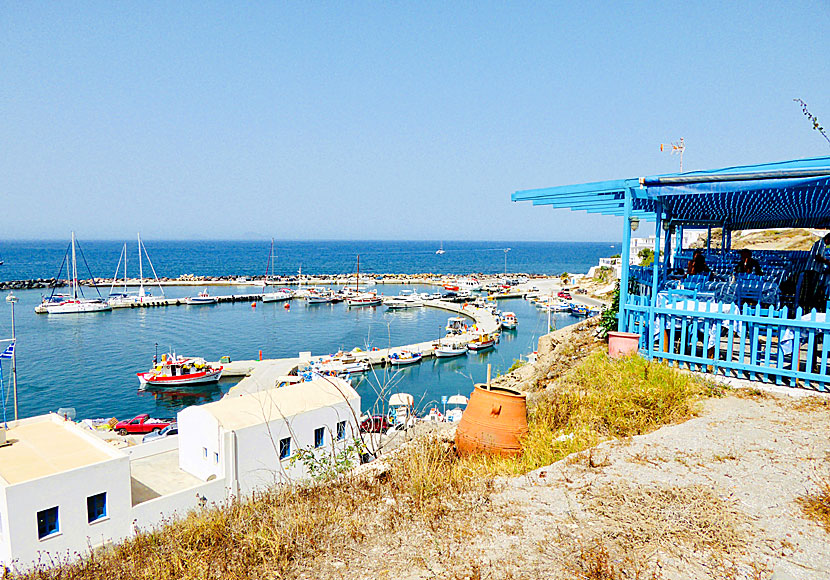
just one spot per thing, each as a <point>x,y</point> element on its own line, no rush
<point>154,447</point>
<point>258,446</point>
<point>199,440</point>
<point>69,491</point>
<point>151,513</point>
<point>5,544</point>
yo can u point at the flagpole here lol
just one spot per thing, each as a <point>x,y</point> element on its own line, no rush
<point>12,299</point>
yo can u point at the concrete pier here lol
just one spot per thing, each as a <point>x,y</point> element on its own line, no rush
<point>265,374</point>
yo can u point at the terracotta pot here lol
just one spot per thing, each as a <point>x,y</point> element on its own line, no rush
<point>493,422</point>
<point>621,344</point>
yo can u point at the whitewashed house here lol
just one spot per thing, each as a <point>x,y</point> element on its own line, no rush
<point>63,489</point>
<point>249,440</point>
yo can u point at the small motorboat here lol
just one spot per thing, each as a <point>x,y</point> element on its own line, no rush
<point>482,342</point>
<point>509,321</point>
<point>456,325</point>
<point>406,299</point>
<point>279,296</point>
<point>404,357</point>
<point>173,370</point>
<point>321,297</point>
<point>451,350</point>
<point>201,298</point>
<point>454,414</point>
<point>579,309</point>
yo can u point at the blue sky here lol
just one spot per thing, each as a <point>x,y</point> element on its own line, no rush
<point>370,120</point>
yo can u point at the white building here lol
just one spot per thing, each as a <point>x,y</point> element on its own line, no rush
<point>270,426</point>
<point>60,489</point>
<point>64,489</point>
<point>638,244</point>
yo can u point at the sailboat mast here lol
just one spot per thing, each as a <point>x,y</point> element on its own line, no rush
<point>125,268</point>
<point>357,280</point>
<point>74,271</point>
<point>140,268</point>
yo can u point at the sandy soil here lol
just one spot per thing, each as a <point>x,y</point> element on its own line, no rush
<point>714,497</point>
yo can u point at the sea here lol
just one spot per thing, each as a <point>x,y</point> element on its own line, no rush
<point>89,362</point>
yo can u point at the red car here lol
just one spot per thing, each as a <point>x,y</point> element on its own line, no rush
<point>141,424</point>
<point>375,424</point>
<point>564,294</point>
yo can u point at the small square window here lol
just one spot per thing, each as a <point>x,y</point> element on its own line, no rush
<point>319,436</point>
<point>47,522</point>
<point>96,507</point>
<point>341,430</point>
<point>285,448</point>
<point>216,458</point>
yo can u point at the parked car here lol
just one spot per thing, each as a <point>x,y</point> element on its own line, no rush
<point>565,294</point>
<point>171,429</point>
<point>375,424</point>
<point>581,291</point>
<point>141,424</point>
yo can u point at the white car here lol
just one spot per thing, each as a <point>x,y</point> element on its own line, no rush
<point>171,429</point>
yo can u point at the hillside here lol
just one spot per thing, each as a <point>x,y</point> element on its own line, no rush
<point>778,239</point>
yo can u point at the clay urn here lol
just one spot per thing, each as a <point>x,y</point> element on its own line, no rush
<point>494,422</point>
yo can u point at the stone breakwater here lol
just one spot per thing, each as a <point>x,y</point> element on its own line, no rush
<point>33,284</point>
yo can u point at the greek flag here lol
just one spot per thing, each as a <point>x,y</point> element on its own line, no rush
<point>8,352</point>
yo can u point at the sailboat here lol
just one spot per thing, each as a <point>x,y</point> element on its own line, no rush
<point>72,303</point>
<point>362,298</point>
<point>281,295</point>
<point>440,250</point>
<point>125,299</point>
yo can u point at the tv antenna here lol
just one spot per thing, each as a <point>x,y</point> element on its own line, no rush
<point>677,148</point>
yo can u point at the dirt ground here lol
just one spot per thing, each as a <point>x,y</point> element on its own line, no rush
<point>713,497</point>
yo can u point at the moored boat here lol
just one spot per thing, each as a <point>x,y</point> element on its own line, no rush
<point>404,357</point>
<point>201,298</point>
<point>451,350</point>
<point>579,309</point>
<point>509,320</point>
<point>173,370</point>
<point>74,303</point>
<point>279,296</point>
<point>364,299</point>
<point>481,342</point>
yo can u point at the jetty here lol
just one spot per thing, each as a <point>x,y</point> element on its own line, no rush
<point>267,374</point>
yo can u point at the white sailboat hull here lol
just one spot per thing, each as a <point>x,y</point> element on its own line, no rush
<point>77,307</point>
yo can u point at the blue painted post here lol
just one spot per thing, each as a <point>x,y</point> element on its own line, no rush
<point>666,251</point>
<point>655,276</point>
<point>678,243</point>
<point>626,260</point>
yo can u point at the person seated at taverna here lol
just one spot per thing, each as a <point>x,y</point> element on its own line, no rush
<point>747,264</point>
<point>697,265</point>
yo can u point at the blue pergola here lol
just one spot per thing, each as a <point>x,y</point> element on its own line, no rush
<point>773,195</point>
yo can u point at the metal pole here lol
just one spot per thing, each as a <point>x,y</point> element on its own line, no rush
<point>13,299</point>
<point>626,259</point>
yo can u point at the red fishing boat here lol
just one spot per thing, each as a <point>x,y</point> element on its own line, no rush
<point>173,370</point>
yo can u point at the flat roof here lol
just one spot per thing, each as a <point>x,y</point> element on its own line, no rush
<point>158,475</point>
<point>44,447</point>
<point>235,412</point>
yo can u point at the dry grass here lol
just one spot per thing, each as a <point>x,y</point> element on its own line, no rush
<point>286,530</point>
<point>595,562</point>
<point>816,505</point>
<point>812,404</point>
<point>651,519</point>
<point>599,399</point>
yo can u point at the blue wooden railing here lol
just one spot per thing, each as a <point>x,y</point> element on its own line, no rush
<point>756,342</point>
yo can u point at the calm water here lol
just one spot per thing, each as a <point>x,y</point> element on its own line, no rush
<point>42,259</point>
<point>89,361</point>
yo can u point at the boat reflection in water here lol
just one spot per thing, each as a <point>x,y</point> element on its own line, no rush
<point>177,398</point>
